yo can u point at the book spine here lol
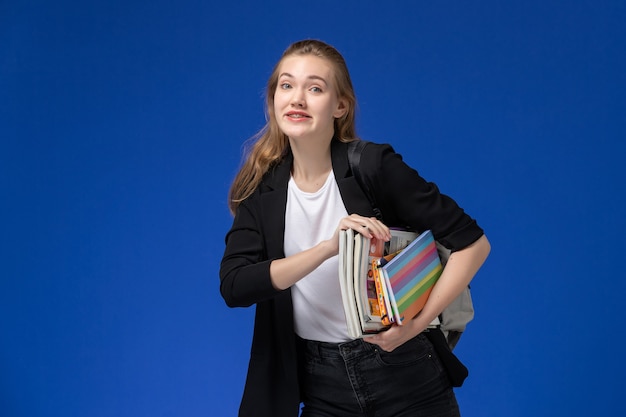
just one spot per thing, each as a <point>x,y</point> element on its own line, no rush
<point>380,293</point>
<point>394,312</point>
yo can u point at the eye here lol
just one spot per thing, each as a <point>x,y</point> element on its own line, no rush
<point>285,85</point>
<point>316,89</point>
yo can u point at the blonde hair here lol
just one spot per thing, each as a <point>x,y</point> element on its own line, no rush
<point>270,144</point>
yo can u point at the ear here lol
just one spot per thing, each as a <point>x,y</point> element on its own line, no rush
<point>342,108</point>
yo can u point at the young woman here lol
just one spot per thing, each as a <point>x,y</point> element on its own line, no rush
<point>290,199</point>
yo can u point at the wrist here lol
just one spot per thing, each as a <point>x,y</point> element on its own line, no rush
<point>328,249</point>
<point>420,323</point>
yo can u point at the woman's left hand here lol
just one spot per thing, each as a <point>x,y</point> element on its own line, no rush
<point>393,337</point>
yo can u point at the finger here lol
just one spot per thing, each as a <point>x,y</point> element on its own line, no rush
<point>358,224</point>
<point>370,226</point>
<point>378,229</point>
<point>364,230</point>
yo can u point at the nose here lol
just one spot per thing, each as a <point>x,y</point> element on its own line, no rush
<point>297,99</point>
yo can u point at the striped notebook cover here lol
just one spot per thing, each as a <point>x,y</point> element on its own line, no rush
<point>411,275</point>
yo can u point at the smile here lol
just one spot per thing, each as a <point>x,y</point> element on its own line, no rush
<point>297,115</point>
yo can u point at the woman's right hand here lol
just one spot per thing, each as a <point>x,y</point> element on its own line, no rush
<point>367,226</point>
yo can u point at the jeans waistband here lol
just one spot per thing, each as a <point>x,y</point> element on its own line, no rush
<point>328,350</point>
<point>351,348</point>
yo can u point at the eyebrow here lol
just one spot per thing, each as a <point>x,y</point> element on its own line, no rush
<point>310,77</point>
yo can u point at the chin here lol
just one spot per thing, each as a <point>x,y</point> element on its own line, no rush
<point>295,133</point>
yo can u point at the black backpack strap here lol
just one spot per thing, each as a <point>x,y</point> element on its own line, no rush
<point>355,148</point>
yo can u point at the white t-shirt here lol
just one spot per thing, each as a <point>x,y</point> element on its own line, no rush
<point>309,219</point>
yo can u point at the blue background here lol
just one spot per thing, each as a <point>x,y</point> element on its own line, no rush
<point>121,127</point>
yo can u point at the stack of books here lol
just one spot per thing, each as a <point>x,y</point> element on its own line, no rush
<point>383,283</point>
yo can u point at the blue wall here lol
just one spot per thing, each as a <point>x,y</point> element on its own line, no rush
<point>121,125</point>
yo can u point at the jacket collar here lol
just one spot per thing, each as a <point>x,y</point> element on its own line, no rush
<point>278,177</point>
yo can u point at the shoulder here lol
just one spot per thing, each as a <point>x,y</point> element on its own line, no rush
<point>277,176</point>
<point>377,157</point>
<point>273,182</point>
<point>370,146</point>
<point>370,149</point>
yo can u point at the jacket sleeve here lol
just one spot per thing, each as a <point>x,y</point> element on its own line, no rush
<point>245,267</point>
<point>408,200</point>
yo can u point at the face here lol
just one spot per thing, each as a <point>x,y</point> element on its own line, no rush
<point>305,101</point>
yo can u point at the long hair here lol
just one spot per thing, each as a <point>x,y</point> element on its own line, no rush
<point>270,144</point>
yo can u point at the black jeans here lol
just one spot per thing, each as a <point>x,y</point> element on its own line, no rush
<point>357,378</point>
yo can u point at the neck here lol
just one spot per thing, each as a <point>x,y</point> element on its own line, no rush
<point>311,164</point>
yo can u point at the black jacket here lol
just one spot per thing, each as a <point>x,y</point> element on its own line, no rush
<point>256,238</point>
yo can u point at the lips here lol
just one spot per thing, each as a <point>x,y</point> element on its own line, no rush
<point>297,115</point>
